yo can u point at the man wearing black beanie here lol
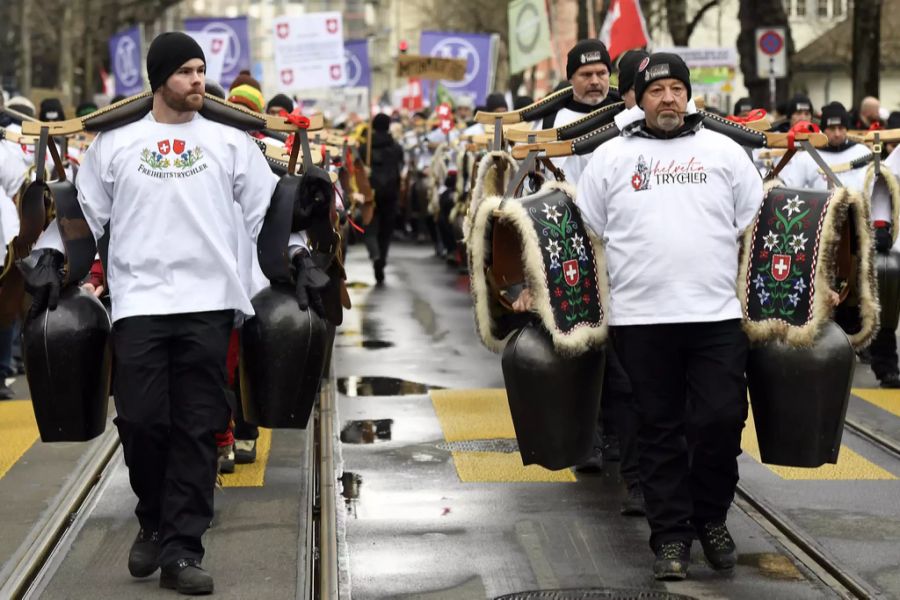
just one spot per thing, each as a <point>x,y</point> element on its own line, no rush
<point>167,186</point>
<point>587,68</point>
<point>799,108</point>
<point>279,102</point>
<point>670,199</point>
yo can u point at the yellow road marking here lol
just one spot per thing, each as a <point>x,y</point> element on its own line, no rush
<point>473,414</point>
<point>888,400</point>
<point>851,466</point>
<point>484,414</point>
<point>18,431</point>
<point>254,474</point>
<point>497,467</point>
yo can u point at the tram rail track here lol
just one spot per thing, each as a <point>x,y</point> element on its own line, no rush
<point>25,566</point>
<point>317,571</point>
<point>802,545</point>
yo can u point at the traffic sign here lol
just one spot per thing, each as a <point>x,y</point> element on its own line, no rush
<point>771,55</point>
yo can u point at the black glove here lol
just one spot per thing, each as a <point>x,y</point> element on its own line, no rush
<point>43,274</point>
<point>884,240</point>
<point>310,281</point>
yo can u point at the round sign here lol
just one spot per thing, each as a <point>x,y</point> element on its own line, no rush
<point>528,28</point>
<point>771,42</point>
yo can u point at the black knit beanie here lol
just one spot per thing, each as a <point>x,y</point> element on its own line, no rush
<point>628,65</point>
<point>587,52</point>
<point>834,114</point>
<point>660,65</point>
<point>52,110</point>
<point>743,105</point>
<point>495,101</point>
<point>167,53</point>
<point>798,103</point>
<point>281,101</point>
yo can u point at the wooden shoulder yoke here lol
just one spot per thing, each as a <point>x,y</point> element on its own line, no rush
<point>136,107</point>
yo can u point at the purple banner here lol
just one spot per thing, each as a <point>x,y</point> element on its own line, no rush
<point>475,48</point>
<point>125,61</point>
<point>238,57</point>
<point>356,55</point>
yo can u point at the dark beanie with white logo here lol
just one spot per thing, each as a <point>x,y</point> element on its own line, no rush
<point>834,114</point>
<point>168,51</point>
<point>587,52</point>
<point>660,65</point>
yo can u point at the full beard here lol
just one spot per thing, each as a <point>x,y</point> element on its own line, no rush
<point>192,101</point>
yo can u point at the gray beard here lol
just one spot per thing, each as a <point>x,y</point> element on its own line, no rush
<point>591,101</point>
<point>667,123</point>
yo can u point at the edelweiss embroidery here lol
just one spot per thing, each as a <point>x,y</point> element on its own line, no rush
<point>188,162</point>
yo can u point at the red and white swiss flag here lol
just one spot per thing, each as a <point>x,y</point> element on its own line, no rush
<point>624,28</point>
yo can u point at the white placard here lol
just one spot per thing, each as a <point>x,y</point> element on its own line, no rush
<point>309,51</point>
<point>215,49</point>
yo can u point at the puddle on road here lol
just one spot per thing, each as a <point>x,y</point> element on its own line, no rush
<point>381,386</point>
<point>367,432</point>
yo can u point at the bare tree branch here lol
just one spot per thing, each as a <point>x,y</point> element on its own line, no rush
<point>696,20</point>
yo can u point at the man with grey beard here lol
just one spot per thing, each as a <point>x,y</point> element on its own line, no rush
<point>587,68</point>
<point>669,200</point>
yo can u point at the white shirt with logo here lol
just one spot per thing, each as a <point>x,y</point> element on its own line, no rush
<point>803,172</point>
<point>168,192</point>
<point>574,165</point>
<point>670,213</point>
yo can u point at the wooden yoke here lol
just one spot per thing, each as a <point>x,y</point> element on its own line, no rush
<point>134,108</point>
<point>534,111</point>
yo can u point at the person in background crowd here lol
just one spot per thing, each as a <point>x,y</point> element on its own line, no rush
<point>51,110</point>
<point>387,163</point>
<point>496,103</point>
<point>799,108</point>
<point>742,107</point>
<point>868,115</point>
<point>278,103</point>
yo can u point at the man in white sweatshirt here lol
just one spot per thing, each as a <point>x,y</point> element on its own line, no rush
<point>167,185</point>
<point>670,199</point>
<point>804,172</point>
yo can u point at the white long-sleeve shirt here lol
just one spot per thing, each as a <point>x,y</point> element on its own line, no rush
<point>803,172</point>
<point>168,192</point>
<point>670,213</point>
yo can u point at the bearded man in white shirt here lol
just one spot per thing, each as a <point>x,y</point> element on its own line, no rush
<point>670,200</point>
<point>166,185</point>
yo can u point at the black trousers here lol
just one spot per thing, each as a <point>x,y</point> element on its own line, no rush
<point>884,353</point>
<point>170,399</point>
<point>691,397</point>
<point>618,415</point>
<point>883,348</point>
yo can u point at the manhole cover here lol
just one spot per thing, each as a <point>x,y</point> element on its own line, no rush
<point>503,445</point>
<point>595,594</point>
